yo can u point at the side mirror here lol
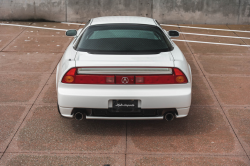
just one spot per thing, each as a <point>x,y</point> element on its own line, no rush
<point>71,32</point>
<point>173,33</point>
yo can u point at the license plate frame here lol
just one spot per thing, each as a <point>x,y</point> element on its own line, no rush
<point>125,105</point>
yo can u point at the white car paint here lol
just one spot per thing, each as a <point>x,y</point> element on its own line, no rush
<point>92,96</point>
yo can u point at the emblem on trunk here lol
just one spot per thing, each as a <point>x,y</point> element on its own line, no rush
<point>125,80</point>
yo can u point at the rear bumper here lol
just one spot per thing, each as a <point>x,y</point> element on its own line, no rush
<point>67,112</point>
<point>101,96</point>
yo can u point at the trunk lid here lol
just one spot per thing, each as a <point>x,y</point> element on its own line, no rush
<point>84,59</point>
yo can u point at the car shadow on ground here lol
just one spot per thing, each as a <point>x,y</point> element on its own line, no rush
<point>200,120</point>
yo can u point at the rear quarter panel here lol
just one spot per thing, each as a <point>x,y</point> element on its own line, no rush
<point>181,62</point>
<point>67,62</point>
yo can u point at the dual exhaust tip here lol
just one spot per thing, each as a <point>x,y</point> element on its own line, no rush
<point>79,116</point>
<point>167,116</point>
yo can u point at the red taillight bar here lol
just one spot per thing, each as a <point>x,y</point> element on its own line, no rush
<point>95,79</point>
<point>177,77</point>
<point>155,79</point>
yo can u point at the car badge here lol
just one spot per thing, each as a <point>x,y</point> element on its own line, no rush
<point>125,80</point>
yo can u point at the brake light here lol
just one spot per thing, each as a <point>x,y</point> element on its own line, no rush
<point>155,79</point>
<point>177,77</point>
<point>95,79</point>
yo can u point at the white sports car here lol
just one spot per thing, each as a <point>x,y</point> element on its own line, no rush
<point>123,68</point>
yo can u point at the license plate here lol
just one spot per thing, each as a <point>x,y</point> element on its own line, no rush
<point>125,105</point>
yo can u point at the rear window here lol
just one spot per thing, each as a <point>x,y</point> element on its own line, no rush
<point>123,38</point>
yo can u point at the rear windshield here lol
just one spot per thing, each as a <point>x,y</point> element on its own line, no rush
<point>123,38</point>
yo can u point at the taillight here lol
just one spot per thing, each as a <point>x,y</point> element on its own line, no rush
<point>180,76</point>
<point>95,79</point>
<point>155,79</point>
<point>177,77</point>
<point>73,78</point>
<point>69,77</point>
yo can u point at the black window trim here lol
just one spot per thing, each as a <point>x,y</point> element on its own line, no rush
<point>127,53</point>
<point>80,35</point>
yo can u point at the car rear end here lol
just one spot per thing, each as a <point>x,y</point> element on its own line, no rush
<point>124,73</point>
<point>115,95</point>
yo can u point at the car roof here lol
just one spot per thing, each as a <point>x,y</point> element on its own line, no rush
<point>123,20</point>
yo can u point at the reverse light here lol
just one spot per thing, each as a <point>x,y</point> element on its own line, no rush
<point>139,80</point>
<point>110,79</point>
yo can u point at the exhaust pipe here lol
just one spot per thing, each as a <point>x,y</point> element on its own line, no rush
<point>79,116</point>
<point>169,116</point>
